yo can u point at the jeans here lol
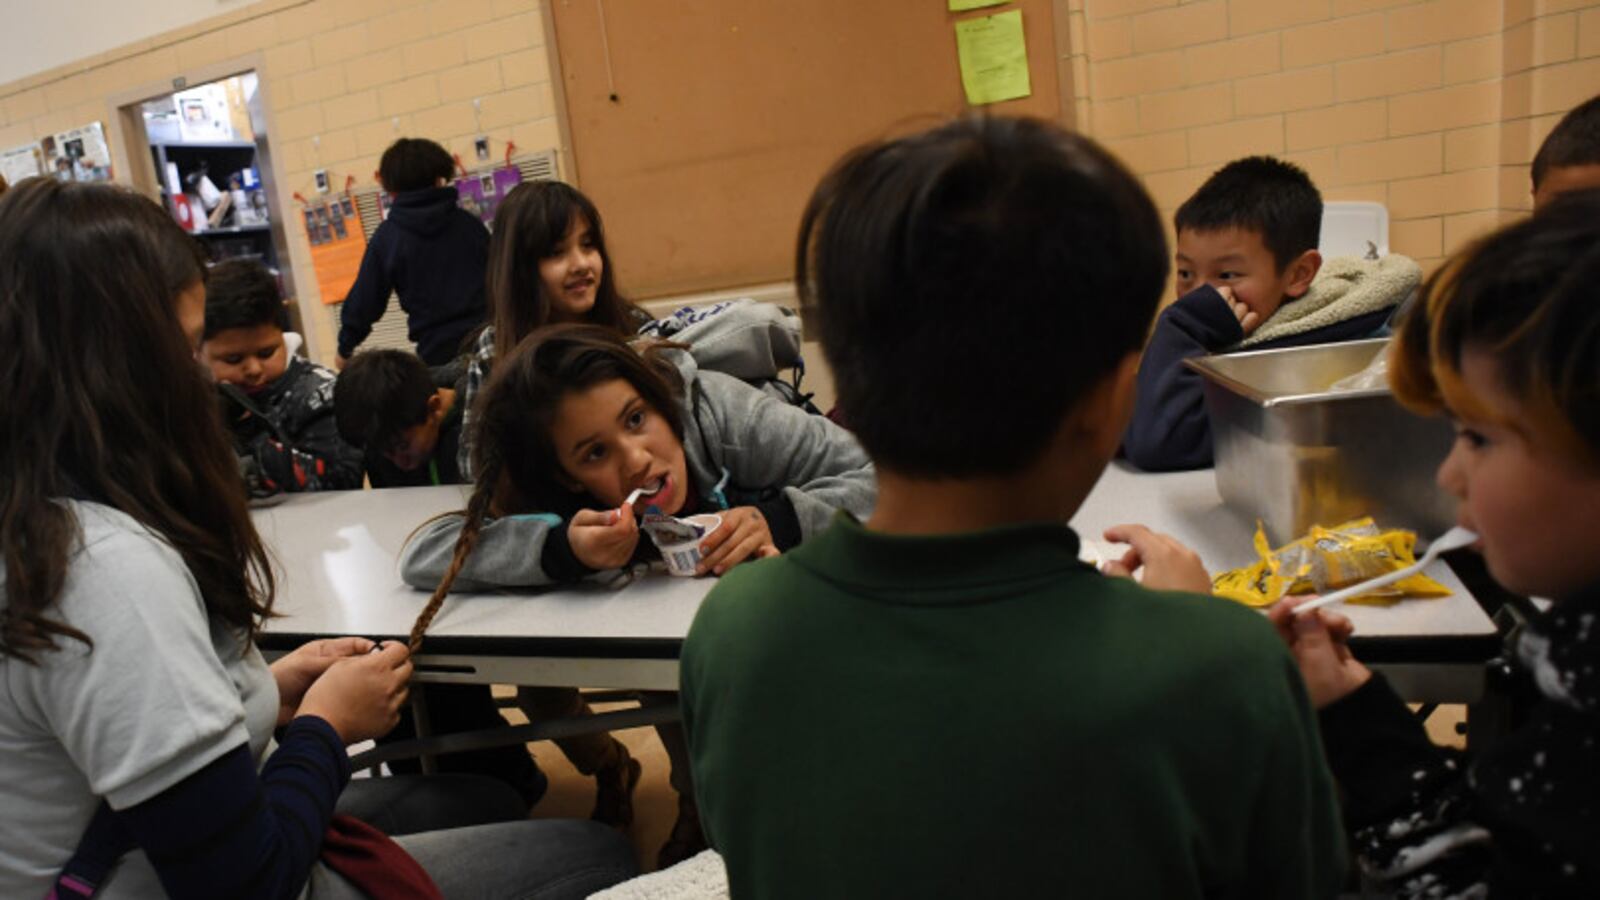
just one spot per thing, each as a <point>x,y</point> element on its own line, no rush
<point>470,834</point>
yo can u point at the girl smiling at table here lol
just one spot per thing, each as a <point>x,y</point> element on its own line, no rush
<point>548,264</point>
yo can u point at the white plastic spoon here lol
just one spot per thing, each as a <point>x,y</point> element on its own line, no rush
<point>1453,539</point>
<point>633,496</point>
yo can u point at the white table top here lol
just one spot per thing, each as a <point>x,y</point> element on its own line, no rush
<point>1187,506</point>
<point>336,556</point>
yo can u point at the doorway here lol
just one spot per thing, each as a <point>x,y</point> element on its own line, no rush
<point>205,152</point>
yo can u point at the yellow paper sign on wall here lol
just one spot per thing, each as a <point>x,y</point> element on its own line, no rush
<point>993,57</point>
<point>964,5</point>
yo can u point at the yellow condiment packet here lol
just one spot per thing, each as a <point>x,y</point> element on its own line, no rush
<point>1327,559</point>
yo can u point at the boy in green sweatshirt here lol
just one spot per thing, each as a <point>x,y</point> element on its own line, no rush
<point>942,700</point>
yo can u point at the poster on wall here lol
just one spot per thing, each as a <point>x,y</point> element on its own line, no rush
<point>481,192</point>
<point>333,228</point>
<point>20,162</point>
<point>469,195</point>
<point>79,154</point>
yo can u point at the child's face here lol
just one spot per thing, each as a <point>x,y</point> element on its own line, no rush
<point>1558,180</point>
<point>609,442</point>
<point>571,273</point>
<point>1536,511</point>
<point>414,446</point>
<point>1237,259</point>
<point>249,358</point>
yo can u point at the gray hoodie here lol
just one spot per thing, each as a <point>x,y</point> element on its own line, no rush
<point>748,340</point>
<point>730,428</point>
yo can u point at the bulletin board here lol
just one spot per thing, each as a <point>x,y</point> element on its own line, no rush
<point>338,241</point>
<point>729,111</point>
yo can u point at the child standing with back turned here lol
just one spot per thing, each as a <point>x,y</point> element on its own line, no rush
<point>429,252</point>
<point>942,700</point>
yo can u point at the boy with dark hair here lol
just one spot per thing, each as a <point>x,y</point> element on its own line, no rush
<point>279,408</point>
<point>1247,279</point>
<point>429,251</point>
<point>1569,158</point>
<point>1016,722</point>
<point>404,414</point>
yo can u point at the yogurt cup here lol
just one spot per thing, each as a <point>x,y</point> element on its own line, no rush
<point>683,556</point>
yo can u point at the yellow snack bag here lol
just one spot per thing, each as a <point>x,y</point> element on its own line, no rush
<point>1342,558</point>
<point>1247,585</point>
<point>1259,584</point>
<point>1324,560</point>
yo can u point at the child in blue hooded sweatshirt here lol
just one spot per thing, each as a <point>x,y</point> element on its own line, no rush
<point>429,251</point>
<point>1249,277</point>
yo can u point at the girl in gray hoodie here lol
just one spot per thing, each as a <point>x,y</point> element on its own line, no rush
<point>573,422</point>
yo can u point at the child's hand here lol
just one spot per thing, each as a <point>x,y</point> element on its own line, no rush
<point>744,533</point>
<point>1248,319</point>
<point>298,669</point>
<point>1320,642</point>
<point>1168,564</point>
<point>361,696</point>
<point>604,538</point>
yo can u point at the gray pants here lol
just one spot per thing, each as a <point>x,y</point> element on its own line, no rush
<point>472,836</point>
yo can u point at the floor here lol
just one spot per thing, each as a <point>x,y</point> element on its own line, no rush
<point>571,795</point>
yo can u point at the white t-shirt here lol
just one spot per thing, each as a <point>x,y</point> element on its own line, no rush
<point>162,693</point>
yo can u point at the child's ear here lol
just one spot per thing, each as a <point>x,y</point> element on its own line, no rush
<point>1103,416</point>
<point>1302,272</point>
<point>436,408</point>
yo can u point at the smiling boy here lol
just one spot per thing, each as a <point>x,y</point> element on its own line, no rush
<point>278,407</point>
<point>1247,279</point>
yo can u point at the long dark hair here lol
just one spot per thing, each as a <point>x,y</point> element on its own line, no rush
<point>528,225</point>
<point>514,457</point>
<point>98,382</point>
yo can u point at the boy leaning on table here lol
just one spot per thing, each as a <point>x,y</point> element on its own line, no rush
<point>1249,277</point>
<point>943,700</point>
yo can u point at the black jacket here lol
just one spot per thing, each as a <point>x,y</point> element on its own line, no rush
<point>433,254</point>
<point>1170,429</point>
<point>1522,819</point>
<point>285,436</point>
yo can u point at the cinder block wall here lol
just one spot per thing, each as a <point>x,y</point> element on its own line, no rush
<point>1434,108</point>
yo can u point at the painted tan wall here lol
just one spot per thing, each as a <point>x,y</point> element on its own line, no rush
<point>1433,108</point>
<point>343,78</point>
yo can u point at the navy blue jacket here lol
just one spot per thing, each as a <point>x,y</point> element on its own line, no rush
<point>433,254</point>
<point>1170,429</point>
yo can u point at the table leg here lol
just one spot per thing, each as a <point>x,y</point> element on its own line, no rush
<point>419,718</point>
